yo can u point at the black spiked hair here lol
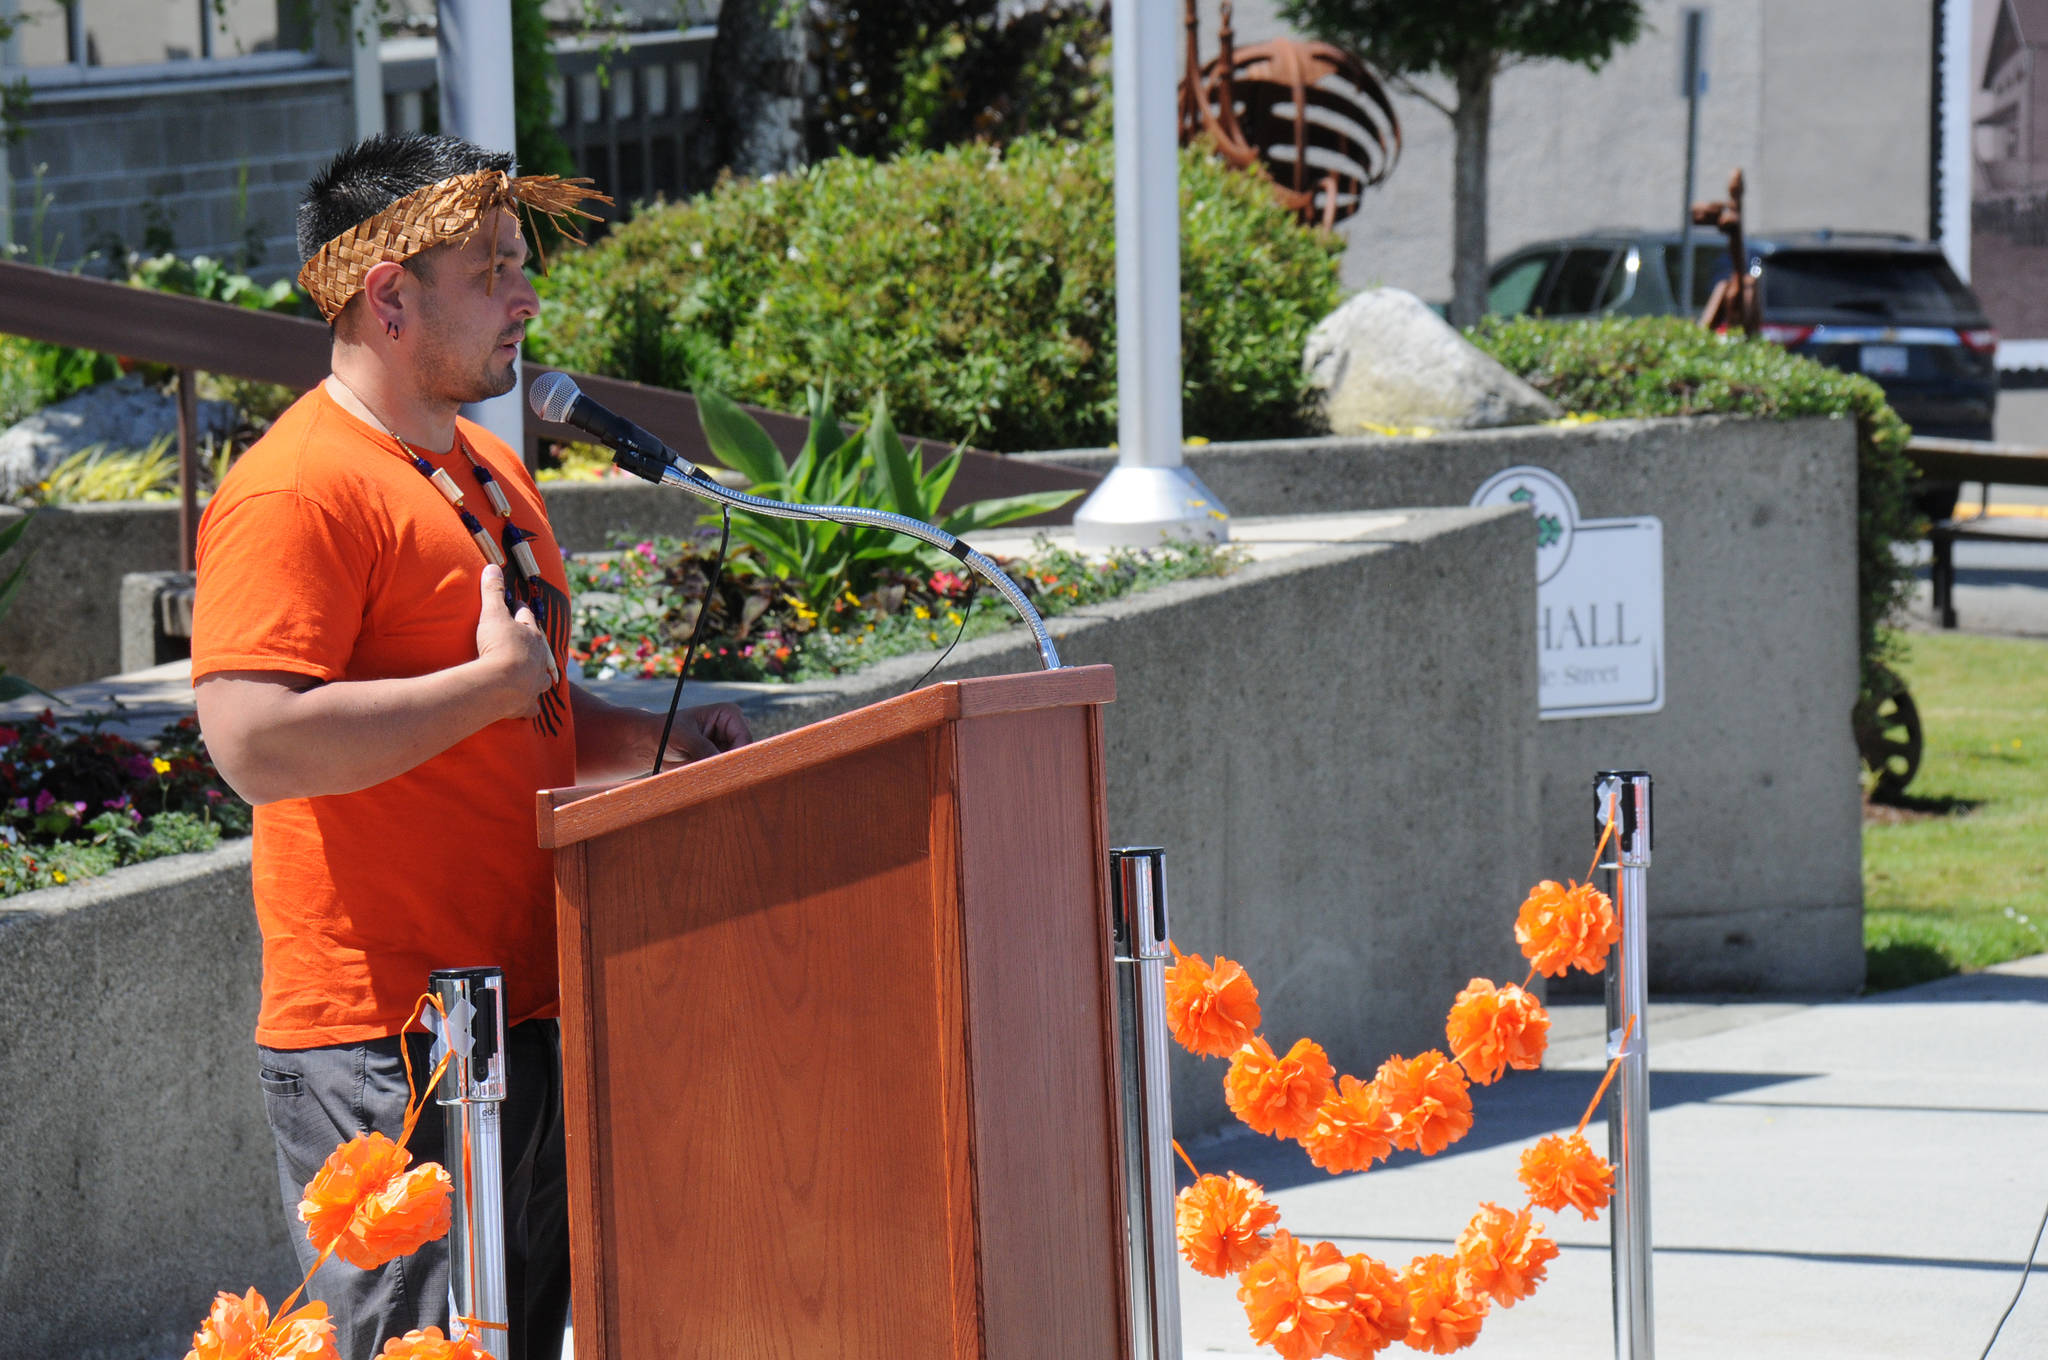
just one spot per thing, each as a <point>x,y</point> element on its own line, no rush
<point>378,171</point>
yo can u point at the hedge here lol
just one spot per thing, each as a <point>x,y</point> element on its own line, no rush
<point>975,287</point>
<point>1667,366</point>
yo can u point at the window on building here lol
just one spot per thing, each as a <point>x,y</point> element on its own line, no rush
<point>114,33</point>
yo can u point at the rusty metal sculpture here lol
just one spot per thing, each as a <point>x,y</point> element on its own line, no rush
<point>1734,303</point>
<point>1310,116</point>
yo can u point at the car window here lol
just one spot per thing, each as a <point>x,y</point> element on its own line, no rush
<point>1580,281</point>
<point>1709,267</point>
<point>1868,285</point>
<point>1513,286</point>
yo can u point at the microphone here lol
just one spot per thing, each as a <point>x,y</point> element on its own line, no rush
<point>556,398</point>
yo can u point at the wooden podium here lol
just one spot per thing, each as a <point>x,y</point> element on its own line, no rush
<point>840,1068</point>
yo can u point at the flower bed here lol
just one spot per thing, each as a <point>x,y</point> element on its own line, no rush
<point>636,608</point>
<point>77,801</point>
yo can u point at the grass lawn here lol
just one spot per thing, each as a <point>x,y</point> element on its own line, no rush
<point>1956,875</point>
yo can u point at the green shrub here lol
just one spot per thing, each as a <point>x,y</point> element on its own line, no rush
<point>974,288</point>
<point>1667,366</point>
<point>34,373</point>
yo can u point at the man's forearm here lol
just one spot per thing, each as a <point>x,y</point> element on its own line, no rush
<point>273,742</point>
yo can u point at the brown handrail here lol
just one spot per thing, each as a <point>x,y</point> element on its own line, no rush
<point>193,334</point>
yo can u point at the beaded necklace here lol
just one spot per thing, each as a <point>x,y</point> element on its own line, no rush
<point>524,565</point>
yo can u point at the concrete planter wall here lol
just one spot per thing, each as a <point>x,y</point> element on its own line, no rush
<point>1758,882</point>
<point>1334,747</point>
<point>65,626</point>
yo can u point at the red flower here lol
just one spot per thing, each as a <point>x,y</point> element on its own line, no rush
<point>1428,1098</point>
<point>1492,1029</point>
<point>1441,1317</point>
<point>1296,1297</point>
<point>1379,1311</point>
<point>1280,1096</point>
<point>239,1327</point>
<point>370,1207</point>
<point>1560,928</point>
<point>1220,1221</point>
<point>1502,1254</point>
<point>1212,1011</point>
<point>1561,1170</point>
<point>1354,1128</point>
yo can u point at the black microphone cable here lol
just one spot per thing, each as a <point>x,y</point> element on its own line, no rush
<point>696,634</point>
<point>966,613</point>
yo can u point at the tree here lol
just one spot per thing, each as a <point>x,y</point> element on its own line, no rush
<point>1468,42</point>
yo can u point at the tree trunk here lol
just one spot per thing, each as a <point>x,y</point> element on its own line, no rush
<point>758,76</point>
<point>1470,127</point>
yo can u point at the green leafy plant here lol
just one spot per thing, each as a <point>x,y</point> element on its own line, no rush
<point>872,468</point>
<point>202,276</point>
<point>1667,366</point>
<point>974,288</point>
<point>97,473</point>
<point>78,800</point>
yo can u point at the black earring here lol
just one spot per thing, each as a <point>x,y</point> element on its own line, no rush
<point>391,329</point>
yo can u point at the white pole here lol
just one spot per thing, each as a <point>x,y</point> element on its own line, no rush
<point>1149,496</point>
<point>473,58</point>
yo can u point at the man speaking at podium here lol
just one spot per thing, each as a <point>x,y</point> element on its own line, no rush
<point>377,650</point>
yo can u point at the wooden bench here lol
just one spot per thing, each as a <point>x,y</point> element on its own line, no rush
<point>1970,460</point>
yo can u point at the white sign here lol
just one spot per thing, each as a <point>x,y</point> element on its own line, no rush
<point>1599,600</point>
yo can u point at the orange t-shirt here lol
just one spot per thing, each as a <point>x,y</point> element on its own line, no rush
<point>326,553</point>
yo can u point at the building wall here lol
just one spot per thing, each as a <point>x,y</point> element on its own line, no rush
<point>109,161</point>
<point>1825,105</point>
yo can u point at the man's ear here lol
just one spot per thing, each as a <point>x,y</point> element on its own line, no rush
<point>386,297</point>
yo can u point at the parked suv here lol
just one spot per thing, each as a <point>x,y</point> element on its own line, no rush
<point>1886,306</point>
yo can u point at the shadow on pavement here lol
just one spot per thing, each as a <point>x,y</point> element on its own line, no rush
<point>1966,987</point>
<point>1520,1108</point>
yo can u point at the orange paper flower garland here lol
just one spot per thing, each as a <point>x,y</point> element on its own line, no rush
<point>365,1206</point>
<point>1307,1300</point>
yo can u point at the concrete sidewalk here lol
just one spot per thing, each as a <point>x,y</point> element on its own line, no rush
<point>1858,1180</point>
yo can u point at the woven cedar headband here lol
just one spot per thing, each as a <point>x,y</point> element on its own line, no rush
<point>449,210</point>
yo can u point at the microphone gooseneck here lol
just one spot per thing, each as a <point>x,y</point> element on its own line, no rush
<point>556,398</point>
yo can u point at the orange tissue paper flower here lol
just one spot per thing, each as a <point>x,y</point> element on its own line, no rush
<point>1560,928</point>
<point>1503,1255</point>
<point>1561,1170</point>
<point>370,1207</point>
<point>1428,1097</point>
<point>1354,1128</point>
<point>1379,1311</point>
<point>1494,1028</point>
<point>240,1328</point>
<point>1297,1297</point>
<point>1220,1221</point>
<point>431,1345</point>
<point>1280,1096</point>
<point>1442,1317</point>
<point>1212,1011</point>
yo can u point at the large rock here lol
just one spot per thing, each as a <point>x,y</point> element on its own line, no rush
<point>1385,359</point>
<point>124,414</point>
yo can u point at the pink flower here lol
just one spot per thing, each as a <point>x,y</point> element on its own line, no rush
<point>44,802</point>
<point>646,550</point>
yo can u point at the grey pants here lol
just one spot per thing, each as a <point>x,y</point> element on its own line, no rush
<point>318,1098</point>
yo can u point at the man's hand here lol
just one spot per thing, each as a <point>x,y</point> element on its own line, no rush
<point>513,649</point>
<point>613,742</point>
<point>703,732</point>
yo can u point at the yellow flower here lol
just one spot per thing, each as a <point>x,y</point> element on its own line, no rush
<point>59,876</point>
<point>921,612</point>
<point>160,765</point>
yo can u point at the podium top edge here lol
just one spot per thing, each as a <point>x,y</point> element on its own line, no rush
<point>567,816</point>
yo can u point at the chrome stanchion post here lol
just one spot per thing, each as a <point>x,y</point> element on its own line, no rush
<point>1137,897</point>
<point>471,1092</point>
<point>1623,796</point>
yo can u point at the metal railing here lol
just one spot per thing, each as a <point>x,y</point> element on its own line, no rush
<point>195,336</point>
<point>1622,798</point>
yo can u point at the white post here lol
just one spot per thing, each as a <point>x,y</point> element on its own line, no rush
<point>473,58</point>
<point>1149,496</point>
<point>1623,796</point>
<point>366,67</point>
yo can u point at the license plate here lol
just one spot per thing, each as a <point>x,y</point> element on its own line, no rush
<point>1884,361</point>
